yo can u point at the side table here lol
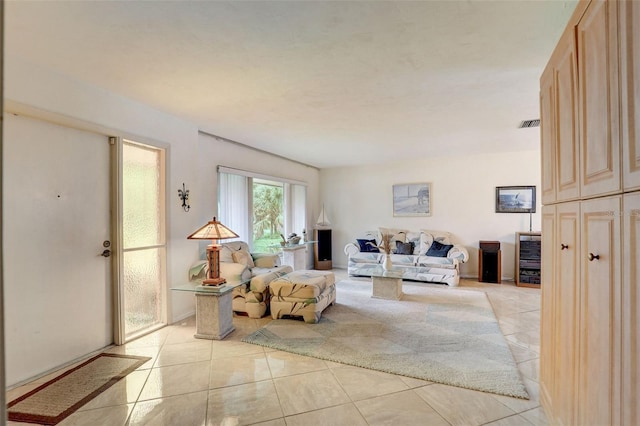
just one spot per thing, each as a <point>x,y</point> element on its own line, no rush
<point>214,312</point>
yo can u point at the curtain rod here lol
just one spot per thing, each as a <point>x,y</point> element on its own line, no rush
<point>223,139</point>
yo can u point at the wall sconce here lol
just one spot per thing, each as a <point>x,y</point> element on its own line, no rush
<point>183,194</point>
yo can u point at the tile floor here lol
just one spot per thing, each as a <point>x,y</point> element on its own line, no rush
<point>191,381</point>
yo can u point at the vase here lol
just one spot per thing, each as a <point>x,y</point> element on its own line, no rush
<point>386,265</point>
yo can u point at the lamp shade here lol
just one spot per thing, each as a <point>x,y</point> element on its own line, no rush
<point>213,230</point>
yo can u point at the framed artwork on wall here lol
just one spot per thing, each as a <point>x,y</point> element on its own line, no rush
<point>515,199</point>
<point>412,199</point>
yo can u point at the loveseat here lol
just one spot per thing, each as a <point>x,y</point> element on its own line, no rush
<point>238,264</point>
<point>427,256</point>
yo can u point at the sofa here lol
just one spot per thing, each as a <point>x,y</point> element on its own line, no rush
<point>424,255</point>
<point>259,269</point>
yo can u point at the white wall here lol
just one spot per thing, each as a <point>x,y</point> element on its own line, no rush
<point>191,158</point>
<point>359,199</point>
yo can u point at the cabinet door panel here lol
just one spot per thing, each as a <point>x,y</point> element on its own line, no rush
<point>599,368</point>
<point>598,99</point>
<point>548,323</point>
<point>631,311</point>
<point>567,309</point>
<point>630,92</point>
<point>547,136</point>
<point>566,120</point>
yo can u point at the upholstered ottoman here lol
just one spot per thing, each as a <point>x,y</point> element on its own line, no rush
<point>302,293</point>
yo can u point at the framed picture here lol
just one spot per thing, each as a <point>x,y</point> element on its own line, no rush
<point>412,199</point>
<point>515,199</point>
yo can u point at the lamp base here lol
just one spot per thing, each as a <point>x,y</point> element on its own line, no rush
<point>214,281</point>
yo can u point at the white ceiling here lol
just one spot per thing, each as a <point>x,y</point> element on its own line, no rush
<point>324,83</point>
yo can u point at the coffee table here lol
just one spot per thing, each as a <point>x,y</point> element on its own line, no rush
<point>214,312</point>
<point>387,283</point>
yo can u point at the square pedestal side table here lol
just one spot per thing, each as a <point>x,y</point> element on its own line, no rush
<point>387,283</point>
<point>214,312</point>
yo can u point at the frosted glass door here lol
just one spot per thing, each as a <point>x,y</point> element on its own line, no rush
<point>144,245</point>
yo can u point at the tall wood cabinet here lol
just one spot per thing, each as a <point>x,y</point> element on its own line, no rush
<point>590,142</point>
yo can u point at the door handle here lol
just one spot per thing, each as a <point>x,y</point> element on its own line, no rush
<point>593,257</point>
<point>105,253</point>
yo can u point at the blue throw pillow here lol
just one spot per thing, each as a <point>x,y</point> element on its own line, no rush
<point>438,249</point>
<point>404,248</point>
<point>368,246</point>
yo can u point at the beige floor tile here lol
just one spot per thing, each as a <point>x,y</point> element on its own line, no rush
<point>402,408</point>
<point>530,369</point>
<point>286,364</point>
<point>183,353</point>
<point>519,405</point>
<point>536,417</point>
<point>414,383</point>
<point>510,421</point>
<point>182,334</point>
<point>239,370</point>
<point>521,354</point>
<point>126,390</point>
<point>105,416</point>
<point>527,339</point>
<point>236,384</point>
<point>276,422</point>
<point>151,352</point>
<point>155,339</point>
<point>346,414</point>
<point>231,349</point>
<point>308,392</point>
<point>243,404</point>
<point>463,407</point>
<point>176,380</point>
<point>360,383</point>
<point>184,410</point>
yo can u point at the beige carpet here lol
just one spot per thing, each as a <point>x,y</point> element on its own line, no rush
<point>53,401</point>
<point>443,335</point>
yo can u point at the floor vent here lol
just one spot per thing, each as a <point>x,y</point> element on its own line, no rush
<point>529,123</point>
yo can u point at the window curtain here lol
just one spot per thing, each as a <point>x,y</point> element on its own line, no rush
<point>233,204</point>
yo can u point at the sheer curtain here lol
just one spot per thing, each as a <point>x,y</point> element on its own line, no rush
<point>233,204</point>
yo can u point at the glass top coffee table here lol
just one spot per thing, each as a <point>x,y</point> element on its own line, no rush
<point>387,283</point>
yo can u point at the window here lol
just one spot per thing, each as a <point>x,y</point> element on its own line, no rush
<point>260,208</point>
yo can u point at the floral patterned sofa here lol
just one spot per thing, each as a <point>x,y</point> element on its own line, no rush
<point>238,264</point>
<point>427,256</point>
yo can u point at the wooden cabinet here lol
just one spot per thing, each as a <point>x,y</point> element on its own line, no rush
<point>560,291</point>
<point>590,355</point>
<point>596,35</point>
<point>566,337</point>
<point>600,302</point>
<point>559,123</point>
<point>528,259</point>
<point>631,309</point>
<point>547,310</point>
<point>629,30</point>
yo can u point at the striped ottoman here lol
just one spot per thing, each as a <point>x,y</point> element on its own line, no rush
<point>302,293</point>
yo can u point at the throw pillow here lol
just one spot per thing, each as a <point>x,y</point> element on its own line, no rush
<point>267,261</point>
<point>438,249</point>
<point>243,257</point>
<point>404,248</point>
<point>368,246</point>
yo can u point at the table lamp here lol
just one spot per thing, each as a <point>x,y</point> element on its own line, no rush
<point>215,231</point>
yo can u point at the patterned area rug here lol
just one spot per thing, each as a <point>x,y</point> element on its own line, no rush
<point>53,401</point>
<point>443,335</point>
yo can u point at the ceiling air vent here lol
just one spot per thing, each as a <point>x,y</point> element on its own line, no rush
<point>529,123</point>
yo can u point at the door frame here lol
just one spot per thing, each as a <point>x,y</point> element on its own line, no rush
<point>115,190</point>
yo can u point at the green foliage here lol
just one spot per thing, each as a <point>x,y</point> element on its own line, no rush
<point>268,217</point>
